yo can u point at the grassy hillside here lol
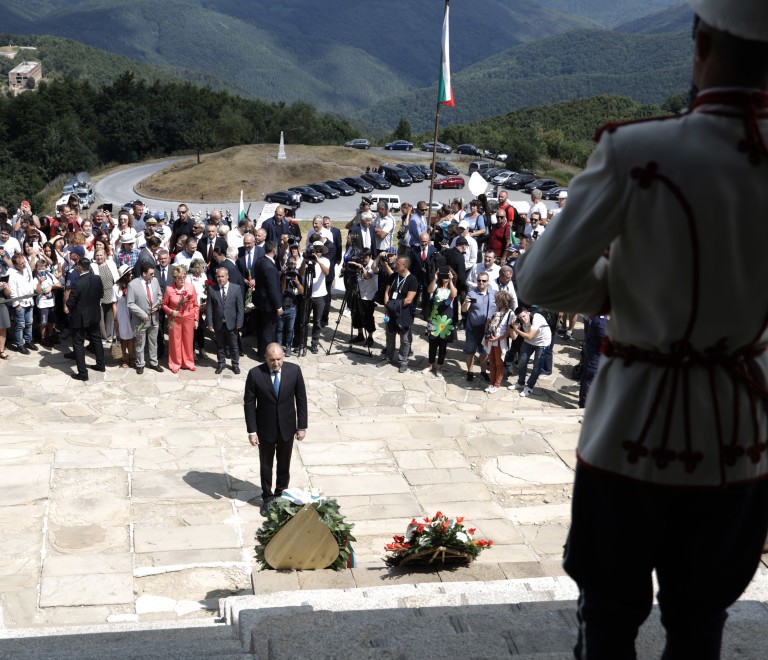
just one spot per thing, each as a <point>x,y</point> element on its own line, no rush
<point>580,64</point>
<point>342,57</point>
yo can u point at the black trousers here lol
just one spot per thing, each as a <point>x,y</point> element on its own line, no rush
<point>93,334</point>
<point>267,451</point>
<point>266,329</point>
<point>226,337</point>
<point>704,544</point>
<point>328,286</point>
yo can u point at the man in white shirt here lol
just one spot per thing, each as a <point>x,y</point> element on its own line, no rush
<point>488,265</point>
<point>537,337</point>
<point>188,254</point>
<point>321,269</point>
<point>235,237</point>
<point>23,285</point>
<point>562,198</point>
<point>504,283</point>
<point>383,226</point>
<point>537,206</point>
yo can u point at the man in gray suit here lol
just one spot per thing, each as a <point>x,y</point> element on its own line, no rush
<point>225,313</point>
<point>144,299</point>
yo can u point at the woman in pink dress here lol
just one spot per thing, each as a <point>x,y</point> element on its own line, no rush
<point>181,308</point>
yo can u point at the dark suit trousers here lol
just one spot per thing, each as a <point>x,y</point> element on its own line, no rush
<point>267,452</point>
<point>226,337</point>
<point>93,333</point>
<point>266,329</point>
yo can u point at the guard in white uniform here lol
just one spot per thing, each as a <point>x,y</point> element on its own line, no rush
<point>673,454</point>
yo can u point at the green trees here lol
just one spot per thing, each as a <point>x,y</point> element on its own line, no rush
<point>403,130</point>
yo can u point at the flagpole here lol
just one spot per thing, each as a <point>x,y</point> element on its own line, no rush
<point>437,128</point>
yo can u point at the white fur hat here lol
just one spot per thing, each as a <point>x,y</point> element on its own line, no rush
<point>747,19</point>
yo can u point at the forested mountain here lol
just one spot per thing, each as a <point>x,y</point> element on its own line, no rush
<point>579,64</point>
<point>340,56</point>
<point>608,13</point>
<point>674,19</point>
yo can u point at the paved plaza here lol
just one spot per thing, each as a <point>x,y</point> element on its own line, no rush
<point>135,497</point>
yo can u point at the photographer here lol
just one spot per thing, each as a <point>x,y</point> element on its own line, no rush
<point>292,289</point>
<point>384,267</point>
<point>362,284</point>
<point>314,258</point>
<point>398,299</point>
<point>480,306</point>
<point>440,327</point>
<point>384,227</point>
<point>536,338</point>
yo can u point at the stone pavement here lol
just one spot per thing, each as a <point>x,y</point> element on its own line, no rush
<point>135,497</point>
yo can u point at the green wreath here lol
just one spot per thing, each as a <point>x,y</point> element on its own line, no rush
<point>281,510</point>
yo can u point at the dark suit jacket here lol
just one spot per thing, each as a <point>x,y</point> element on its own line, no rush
<point>217,312</point>
<point>455,260</point>
<point>84,302</point>
<point>168,279</point>
<point>145,257</point>
<point>275,418</point>
<point>202,247</point>
<point>337,244</point>
<point>275,230</point>
<point>234,274</point>
<point>266,295</point>
<point>418,265</point>
<point>241,263</point>
<point>358,230</point>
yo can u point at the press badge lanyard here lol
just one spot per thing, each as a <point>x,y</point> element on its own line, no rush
<point>398,285</point>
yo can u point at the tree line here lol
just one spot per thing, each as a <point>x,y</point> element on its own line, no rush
<point>69,125</point>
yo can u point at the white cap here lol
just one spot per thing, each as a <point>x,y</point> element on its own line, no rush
<point>747,19</point>
<point>463,224</point>
<point>128,235</point>
<point>563,194</point>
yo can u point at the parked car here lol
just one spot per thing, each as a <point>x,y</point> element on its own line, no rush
<point>490,173</point>
<point>358,184</point>
<point>441,148</point>
<point>553,193</point>
<point>520,180</point>
<point>325,190</point>
<point>428,173</point>
<point>395,175</point>
<point>442,167</point>
<point>393,201</point>
<point>344,188</point>
<point>309,194</point>
<point>399,145</point>
<point>468,149</point>
<point>414,170</point>
<point>478,166</point>
<point>376,180</point>
<point>541,184</point>
<point>284,197</point>
<point>359,143</point>
<point>449,182</point>
<point>502,177</point>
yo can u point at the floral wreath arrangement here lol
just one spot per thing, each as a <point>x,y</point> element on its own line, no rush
<point>439,540</point>
<point>284,508</point>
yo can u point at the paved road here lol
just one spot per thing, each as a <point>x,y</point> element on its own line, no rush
<point>119,188</point>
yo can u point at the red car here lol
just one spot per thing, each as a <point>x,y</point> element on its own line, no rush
<point>449,182</point>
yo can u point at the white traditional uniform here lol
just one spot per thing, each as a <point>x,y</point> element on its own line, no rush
<point>683,400</point>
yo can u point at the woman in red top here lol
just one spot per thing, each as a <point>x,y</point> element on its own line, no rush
<point>181,309</point>
<point>499,235</point>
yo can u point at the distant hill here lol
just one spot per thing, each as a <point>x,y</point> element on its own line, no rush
<point>339,56</point>
<point>608,13</point>
<point>673,19</point>
<point>579,64</point>
<point>65,57</point>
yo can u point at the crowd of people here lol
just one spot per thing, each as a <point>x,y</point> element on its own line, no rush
<point>154,289</point>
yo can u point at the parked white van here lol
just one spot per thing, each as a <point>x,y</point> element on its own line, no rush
<point>392,200</point>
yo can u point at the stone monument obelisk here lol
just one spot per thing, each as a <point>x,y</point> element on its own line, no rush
<point>281,150</point>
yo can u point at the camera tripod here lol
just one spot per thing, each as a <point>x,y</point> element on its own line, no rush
<point>352,300</point>
<point>306,310</point>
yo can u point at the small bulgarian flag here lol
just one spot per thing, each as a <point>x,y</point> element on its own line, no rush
<point>446,91</point>
<point>241,214</point>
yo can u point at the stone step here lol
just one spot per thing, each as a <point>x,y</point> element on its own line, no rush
<point>124,641</point>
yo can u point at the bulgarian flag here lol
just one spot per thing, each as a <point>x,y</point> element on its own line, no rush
<point>241,214</point>
<point>446,91</point>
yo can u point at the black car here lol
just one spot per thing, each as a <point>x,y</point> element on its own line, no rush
<point>441,148</point>
<point>400,145</point>
<point>359,143</point>
<point>358,184</point>
<point>344,188</point>
<point>376,180</point>
<point>519,180</point>
<point>428,173</point>
<point>397,176</point>
<point>284,197</point>
<point>553,193</point>
<point>491,172</point>
<point>468,149</point>
<point>325,190</point>
<point>414,170</point>
<point>309,194</point>
<point>541,184</point>
<point>442,167</point>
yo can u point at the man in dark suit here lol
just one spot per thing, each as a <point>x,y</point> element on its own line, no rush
<point>275,404</point>
<point>222,260</point>
<point>164,278</point>
<point>224,315</point>
<point>422,268</point>
<point>365,231</point>
<point>84,307</point>
<point>208,243</point>
<point>276,226</point>
<point>147,255</point>
<point>267,298</point>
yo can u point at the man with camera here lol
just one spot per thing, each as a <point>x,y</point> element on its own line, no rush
<point>479,308</point>
<point>536,335</point>
<point>292,290</point>
<point>316,262</point>
<point>361,284</point>
<point>398,299</point>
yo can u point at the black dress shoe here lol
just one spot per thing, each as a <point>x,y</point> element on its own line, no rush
<point>139,370</point>
<point>219,369</point>
<point>156,367</point>
<point>83,377</point>
<point>358,340</point>
<point>31,346</point>
<point>70,355</point>
<point>23,350</point>
<point>236,369</point>
<point>98,367</point>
